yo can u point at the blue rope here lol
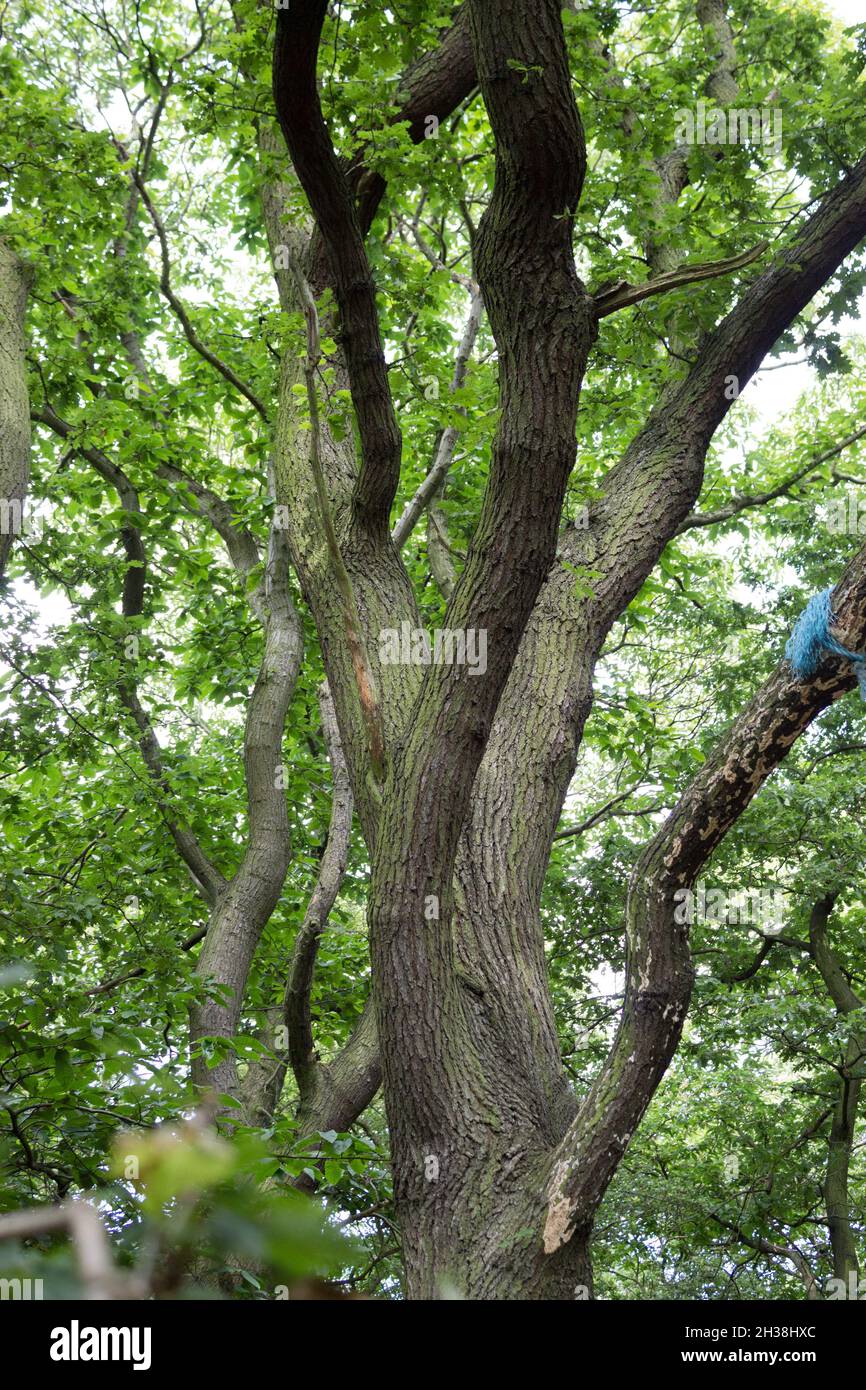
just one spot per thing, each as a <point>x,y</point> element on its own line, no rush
<point>811,635</point>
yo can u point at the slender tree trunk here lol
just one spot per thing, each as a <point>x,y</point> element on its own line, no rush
<point>14,403</point>
<point>840,1146</point>
<point>842,1128</point>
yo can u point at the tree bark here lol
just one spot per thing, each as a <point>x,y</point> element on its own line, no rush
<point>245,904</point>
<point>14,403</point>
<point>848,1086</point>
<point>478,771</point>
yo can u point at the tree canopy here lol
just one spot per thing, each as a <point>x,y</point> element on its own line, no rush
<point>329,325</point>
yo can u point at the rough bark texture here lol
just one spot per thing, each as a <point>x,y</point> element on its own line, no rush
<point>309,144</point>
<point>14,404</point>
<point>452,1109</point>
<point>488,1149</point>
<point>498,1173</point>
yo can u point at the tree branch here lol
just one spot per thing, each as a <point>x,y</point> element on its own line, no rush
<point>354,631</point>
<point>181,314</point>
<point>331,871</point>
<point>447,442</point>
<point>739,504</point>
<point>622,295</point>
<point>659,974</point>
<point>769,1247</point>
<point>205,875</point>
<point>93,1253</point>
<point>435,85</point>
<point>296,96</point>
<point>264,1081</point>
<point>252,894</point>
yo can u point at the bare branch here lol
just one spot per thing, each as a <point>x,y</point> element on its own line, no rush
<point>608,809</point>
<point>447,443</point>
<point>180,311</point>
<point>622,295</point>
<point>739,504</point>
<point>769,1247</point>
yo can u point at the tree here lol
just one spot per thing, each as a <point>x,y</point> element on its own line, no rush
<point>15,455</point>
<point>433,233</point>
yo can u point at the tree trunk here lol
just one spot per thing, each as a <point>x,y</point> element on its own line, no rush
<point>497,1174</point>
<point>842,1128</point>
<point>14,403</point>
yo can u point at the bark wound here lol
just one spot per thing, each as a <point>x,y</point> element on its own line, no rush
<point>557,1225</point>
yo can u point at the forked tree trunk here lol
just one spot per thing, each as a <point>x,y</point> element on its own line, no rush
<point>498,1174</point>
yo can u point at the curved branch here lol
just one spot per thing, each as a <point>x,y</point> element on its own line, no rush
<point>622,295</point>
<point>241,544</point>
<point>740,504</point>
<point>435,85</point>
<point>296,96</point>
<point>782,1252</point>
<point>246,905</point>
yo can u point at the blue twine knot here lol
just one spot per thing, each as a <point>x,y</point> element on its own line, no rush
<point>811,635</point>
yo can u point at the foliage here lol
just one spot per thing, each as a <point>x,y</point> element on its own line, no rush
<point>99,916</point>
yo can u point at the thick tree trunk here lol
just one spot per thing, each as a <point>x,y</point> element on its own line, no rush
<point>488,1152</point>
<point>473,1231</point>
